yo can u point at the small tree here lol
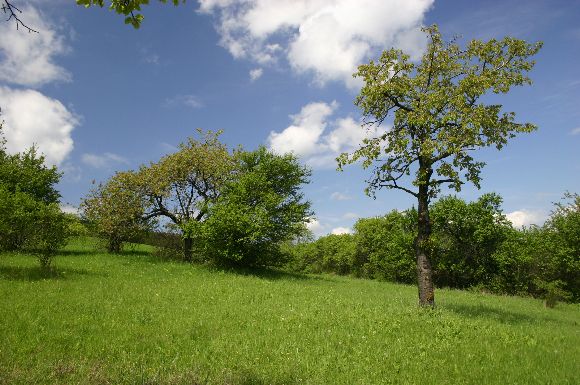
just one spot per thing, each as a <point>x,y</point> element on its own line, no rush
<point>115,211</point>
<point>439,118</point>
<point>30,217</point>
<point>259,208</point>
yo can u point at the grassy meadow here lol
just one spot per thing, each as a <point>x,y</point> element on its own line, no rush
<point>132,319</point>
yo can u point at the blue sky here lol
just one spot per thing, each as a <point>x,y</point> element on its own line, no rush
<point>98,96</point>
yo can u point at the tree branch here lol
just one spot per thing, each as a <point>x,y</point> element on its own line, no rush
<point>13,12</point>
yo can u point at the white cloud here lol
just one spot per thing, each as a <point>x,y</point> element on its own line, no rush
<point>28,58</point>
<point>316,227</point>
<point>190,101</point>
<point>327,38</point>
<point>31,118</point>
<point>338,196</point>
<point>317,140</point>
<point>256,73</point>
<point>103,161</point>
<point>524,217</point>
<point>575,131</point>
<point>341,230</point>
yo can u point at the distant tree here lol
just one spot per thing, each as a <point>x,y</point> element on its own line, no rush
<point>115,211</point>
<point>258,209</point>
<point>129,8</point>
<point>439,118</point>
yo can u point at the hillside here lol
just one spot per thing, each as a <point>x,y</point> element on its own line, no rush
<point>131,319</point>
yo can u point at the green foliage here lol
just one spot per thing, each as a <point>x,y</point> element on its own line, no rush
<point>384,246</point>
<point>258,209</point>
<point>465,238</point>
<point>439,116</point>
<point>115,211</point>
<point>26,172</point>
<point>563,231</point>
<point>51,232</point>
<point>30,217</point>
<point>128,8</point>
<point>329,254</point>
<point>16,218</point>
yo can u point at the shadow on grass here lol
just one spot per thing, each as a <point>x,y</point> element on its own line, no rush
<point>269,274</point>
<point>36,273</point>
<point>498,314</point>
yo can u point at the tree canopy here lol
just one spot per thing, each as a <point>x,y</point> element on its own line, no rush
<point>439,117</point>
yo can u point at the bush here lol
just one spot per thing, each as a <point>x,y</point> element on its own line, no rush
<point>384,247</point>
<point>465,238</point>
<point>50,233</point>
<point>257,211</point>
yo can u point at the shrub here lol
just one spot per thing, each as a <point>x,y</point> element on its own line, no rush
<point>258,210</point>
<point>465,238</point>
<point>384,247</point>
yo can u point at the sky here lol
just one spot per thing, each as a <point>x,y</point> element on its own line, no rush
<point>97,96</point>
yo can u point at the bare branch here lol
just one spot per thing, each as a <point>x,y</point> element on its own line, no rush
<point>12,11</point>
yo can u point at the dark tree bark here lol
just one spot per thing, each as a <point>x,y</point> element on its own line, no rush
<point>424,269</point>
<point>187,247</point>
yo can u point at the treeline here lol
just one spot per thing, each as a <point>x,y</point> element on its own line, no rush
<point>473,245</point>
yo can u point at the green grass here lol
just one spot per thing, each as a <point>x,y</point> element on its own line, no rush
<point>129,319</point>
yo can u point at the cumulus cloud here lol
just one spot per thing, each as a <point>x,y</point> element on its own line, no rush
<point>256,73</point>
<point>520,218</point>
<point>28,58</point>
<point>327,38</point>
<point>341,230</point>
<point>31,118</point>
<point>102,161</point>
<point>317,139</point>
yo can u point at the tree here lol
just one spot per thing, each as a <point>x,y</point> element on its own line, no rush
<point>129,8</point>
<point>439,117</point>
<point>30,217</point>
<point>181,185</point>
<point>115,210</point>
<point>258,209</point>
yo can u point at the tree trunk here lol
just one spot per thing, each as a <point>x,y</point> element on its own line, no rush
<point>424,270</point>
<point>187,246</point>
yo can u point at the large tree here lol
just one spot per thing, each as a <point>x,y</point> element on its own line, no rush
<point>439,118</point>
<point>181,185</point>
